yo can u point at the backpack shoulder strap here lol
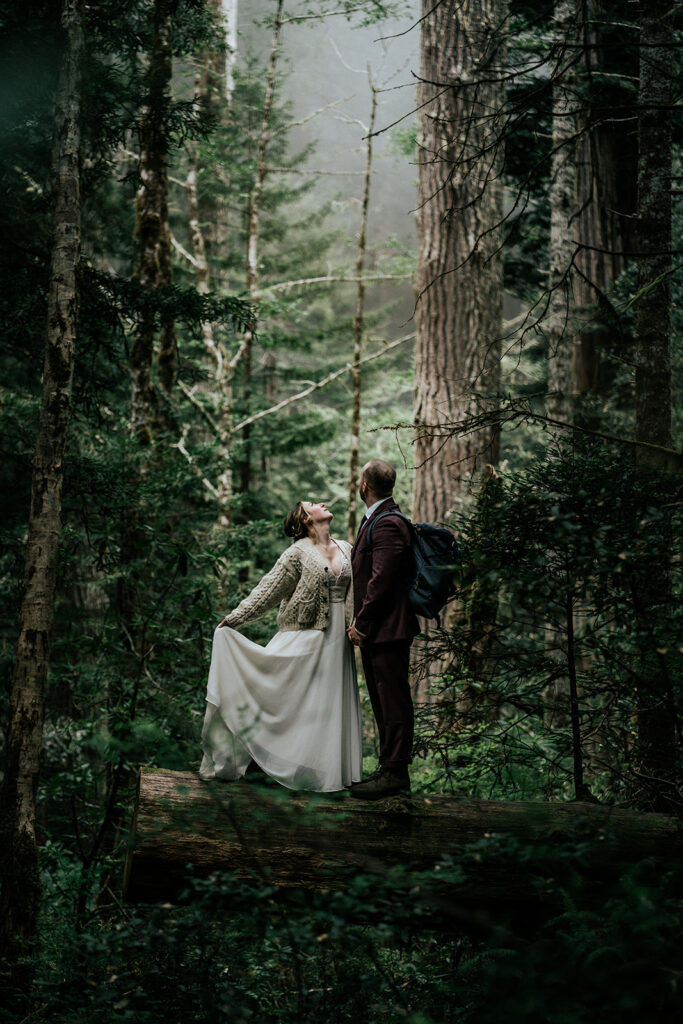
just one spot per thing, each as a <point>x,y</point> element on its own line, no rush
<point>383,515</point>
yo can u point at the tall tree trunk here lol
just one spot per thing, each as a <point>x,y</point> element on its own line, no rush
<point>208,225</point>
<point>656,719</point>
<point>20,881</point>
<point>561,312</point>
<point>460,286</point>
<point>560,324</point>
<point>213,89</point>
<point>153,272</point>
<point>229,8</point>
<point>154,266</point>
<point>606,183</point>
<point>358,322</point>
<point>253,224</point>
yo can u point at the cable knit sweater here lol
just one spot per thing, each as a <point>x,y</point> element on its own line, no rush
<point>299,582</point>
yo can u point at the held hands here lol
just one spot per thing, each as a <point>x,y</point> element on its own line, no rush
<point>355,637</point>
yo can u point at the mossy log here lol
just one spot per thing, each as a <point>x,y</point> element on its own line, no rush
<point>183,826</point>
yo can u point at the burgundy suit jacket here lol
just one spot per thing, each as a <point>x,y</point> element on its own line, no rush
<point>382,577</point>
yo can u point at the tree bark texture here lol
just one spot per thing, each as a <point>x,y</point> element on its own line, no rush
<point>208,220</point>
<point>561,315</point>
<point>356,378</point>
<point>153,273</point>
<point>656,716</point>
<point>229,9</point>
<point>307,841</point>
<point>154,265</point>
<point>458,314</point>
<point>606,181</point>
<point>213,88</point>
<point>653,311</point>
<point>20,885</point>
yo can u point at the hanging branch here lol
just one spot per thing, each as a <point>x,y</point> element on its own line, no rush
<point>515,411</point>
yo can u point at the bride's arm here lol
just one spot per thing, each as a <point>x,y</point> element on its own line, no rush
<point>280,582</point>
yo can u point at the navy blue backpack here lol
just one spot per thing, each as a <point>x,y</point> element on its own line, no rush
<point>435,556</point>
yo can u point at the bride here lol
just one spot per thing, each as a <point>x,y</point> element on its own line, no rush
<point>292,707</point>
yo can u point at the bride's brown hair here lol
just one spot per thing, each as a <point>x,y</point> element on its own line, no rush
<point>295,521</point>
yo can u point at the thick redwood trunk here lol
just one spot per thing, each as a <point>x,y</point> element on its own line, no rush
<point>20,883</point>
<point>460,287</point>
<point>656,717</point>
<point>606,172</point>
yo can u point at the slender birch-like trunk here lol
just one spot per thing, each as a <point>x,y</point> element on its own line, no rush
<point>229,9</point>
<point>656,718</point>
<point>560,323</point>
<point>19,899</point>
<point>460,286</point>
<point>356,378</point>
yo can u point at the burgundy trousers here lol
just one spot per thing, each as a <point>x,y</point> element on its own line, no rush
<point>386,668</point>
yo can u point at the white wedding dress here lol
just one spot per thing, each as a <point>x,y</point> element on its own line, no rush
<point>291,706</point>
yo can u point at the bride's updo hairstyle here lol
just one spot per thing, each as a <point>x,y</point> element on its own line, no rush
<point>295,522</point>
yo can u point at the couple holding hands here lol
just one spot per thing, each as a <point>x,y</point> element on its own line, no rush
<point>291,709</point>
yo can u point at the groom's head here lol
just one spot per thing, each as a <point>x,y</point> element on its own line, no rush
<point>377,481</point>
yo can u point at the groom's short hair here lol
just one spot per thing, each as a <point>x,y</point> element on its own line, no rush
<point>380,477</point>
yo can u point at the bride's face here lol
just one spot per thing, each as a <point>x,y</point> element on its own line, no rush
<point>317,513</point>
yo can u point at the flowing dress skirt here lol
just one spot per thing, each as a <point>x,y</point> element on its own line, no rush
<point>291,706</point>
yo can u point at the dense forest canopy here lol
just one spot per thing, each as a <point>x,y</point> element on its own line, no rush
<point>245,248</point>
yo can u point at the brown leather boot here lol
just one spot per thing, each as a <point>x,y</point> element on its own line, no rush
<point>388,782</point>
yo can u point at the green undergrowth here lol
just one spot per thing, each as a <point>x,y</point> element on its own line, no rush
<point>388,948</point>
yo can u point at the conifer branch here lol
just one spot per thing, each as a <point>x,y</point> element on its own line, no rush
<point>347,368</point>
<point>234,362</point>
<point>325,14</point>
<point>309,117</point>
<point>198,405</point>
<point>312,172</point>
<point>180,445</point>
<point>183,252</point>
<point>332,278</point>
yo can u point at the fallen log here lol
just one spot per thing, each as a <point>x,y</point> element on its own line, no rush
<point>183,827</point>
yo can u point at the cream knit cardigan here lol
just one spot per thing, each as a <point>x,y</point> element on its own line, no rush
<point>299,581</point>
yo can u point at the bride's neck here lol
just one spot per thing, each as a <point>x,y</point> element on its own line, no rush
<point>320,535</point>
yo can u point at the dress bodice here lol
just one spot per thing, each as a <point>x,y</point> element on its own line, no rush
<point>340,584</point>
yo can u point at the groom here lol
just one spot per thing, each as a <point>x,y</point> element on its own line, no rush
<point>383,628</point>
